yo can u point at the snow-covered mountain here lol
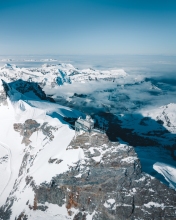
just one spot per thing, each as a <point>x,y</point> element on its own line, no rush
<point>48,174</point>
<point>29,138</point>
<point>53,75</point>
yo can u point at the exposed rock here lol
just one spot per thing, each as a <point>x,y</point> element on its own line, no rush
<point>4,159</point>
<point>22,216</point>
<point>108,185</point>
<point>55,161</point>
<point>26,130</point>
<point>3,95</point>
<point>30,126</point>
<point>24,87</point>
<point>3,98</point>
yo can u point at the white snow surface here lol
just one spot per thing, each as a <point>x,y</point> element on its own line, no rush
<point>166,113</point>
<point>168,172</point>
<point>154,204</point>
<point>109,203</point>
<point>41,149</point>
<point>57,74</point>
<point>129,159</point>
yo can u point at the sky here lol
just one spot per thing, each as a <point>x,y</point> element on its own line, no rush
<point>87,27</point>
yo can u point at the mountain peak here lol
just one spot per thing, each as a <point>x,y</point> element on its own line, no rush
<point>9,66</point>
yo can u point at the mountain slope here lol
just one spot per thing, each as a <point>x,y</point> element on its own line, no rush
<point>48,174</point>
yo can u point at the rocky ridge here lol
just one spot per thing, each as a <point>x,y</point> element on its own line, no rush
<point>106,183</point>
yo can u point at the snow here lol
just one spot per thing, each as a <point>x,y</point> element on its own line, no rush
<point>97,159</point>
<point>166,113</point>
<point>123,147</point>
<point>90,216</point>
<point>52,108</point>
<point>20,204</point>
<point>23,111</point>
<point>109,202</point>
<point>154,204</point>
<point>5,167</point>
<point>41,149</point>
<point>141,179</point>
<point>78,176</point>
<point>149,156</point>
<point>91,149</point>
<point>43,171</point>
<point>54,212</point>
<point>10,140</point>
<point>129,159</point>
<point>168,172</point>
<point>60,74</point>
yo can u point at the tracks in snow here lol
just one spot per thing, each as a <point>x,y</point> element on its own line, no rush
<point>10,166</point>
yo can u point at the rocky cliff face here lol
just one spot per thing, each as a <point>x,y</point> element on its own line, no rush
<point>105,183</point>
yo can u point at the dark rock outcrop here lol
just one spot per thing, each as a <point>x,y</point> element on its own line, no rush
<point>108,184</point>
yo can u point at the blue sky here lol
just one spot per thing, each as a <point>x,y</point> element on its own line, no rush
<point>99,27</point>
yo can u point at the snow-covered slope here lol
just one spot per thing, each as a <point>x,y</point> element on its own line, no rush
<point>166,115</point>
<point>169,173</point>
<point>29,137</point>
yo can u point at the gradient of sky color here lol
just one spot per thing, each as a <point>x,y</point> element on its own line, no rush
<point>87,27</point>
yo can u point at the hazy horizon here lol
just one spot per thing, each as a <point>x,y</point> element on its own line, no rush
<point>136,64</point>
